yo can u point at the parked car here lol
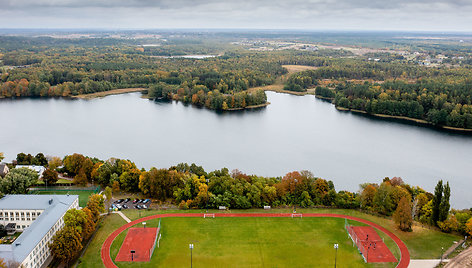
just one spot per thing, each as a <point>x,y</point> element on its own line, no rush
<point>138,206</point>
<point>144,207</point>
<point>127,200</point>
<point>120,201</point>
<point>119,207</point>
<point>125,206</point>
<point>135,201</point>
<point>146,201</point>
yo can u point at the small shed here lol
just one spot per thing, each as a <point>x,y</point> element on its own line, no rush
<point>11,228</point>
<point>4,169</point>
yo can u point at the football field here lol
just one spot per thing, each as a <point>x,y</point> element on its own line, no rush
<point>251,242</point>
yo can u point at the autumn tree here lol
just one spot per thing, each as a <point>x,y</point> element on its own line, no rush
<point>469,226</point>
<point>2,156</point>
<point>402,215</point>
<point>96,204</point>
<point>367,196</point>
<point>54,162</point>
<point>80,179</point>
<point>66,244</point>
<point>50,176</point>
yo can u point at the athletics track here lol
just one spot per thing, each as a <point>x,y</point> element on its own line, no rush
<point>108,262</point>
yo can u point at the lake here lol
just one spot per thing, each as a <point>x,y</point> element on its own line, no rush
<point>293,133</point>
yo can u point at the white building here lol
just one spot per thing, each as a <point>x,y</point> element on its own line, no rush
<point>38,169</point>
<point>39,217</point>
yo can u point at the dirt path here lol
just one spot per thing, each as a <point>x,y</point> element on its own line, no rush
<point>109,92</point>
<point>108,262</point>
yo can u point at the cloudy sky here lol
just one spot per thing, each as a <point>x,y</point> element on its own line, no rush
<point>413,15</point>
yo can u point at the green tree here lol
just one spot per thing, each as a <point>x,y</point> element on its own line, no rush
<point>66,244</point>
<point>402,215</point>
<point>108,194</point>
<point>445,206</point>
<point>18,180</point>
<point>437,199</point>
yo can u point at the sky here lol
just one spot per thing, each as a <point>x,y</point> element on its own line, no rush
<point>404,15</point>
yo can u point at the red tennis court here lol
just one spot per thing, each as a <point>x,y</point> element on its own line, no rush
<point>142,241</point>
<point>371,244</point>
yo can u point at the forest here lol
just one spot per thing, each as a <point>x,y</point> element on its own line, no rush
<point>429,81</point>
<point>440,96</point>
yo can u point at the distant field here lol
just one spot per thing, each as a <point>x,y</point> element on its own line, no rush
<point>298,68</point>
<point>83,195</point>
<point>109,92</point>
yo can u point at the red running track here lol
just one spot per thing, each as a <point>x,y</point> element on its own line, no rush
<point>108,262</point>
<point>141,240</point>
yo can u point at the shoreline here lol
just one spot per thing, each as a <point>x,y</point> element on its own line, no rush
<point>248,107</point>
<point>108,93</point>
<point>406,119</point>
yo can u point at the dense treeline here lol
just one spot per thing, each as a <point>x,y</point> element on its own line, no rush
<point>190,186</point>
<point>442,97</point>
<point>69,68</point>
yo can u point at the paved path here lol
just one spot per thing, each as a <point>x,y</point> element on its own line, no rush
<point>108,262</point>
<point>464,259</point>
<point>122,215</point>
<point>425,263</point>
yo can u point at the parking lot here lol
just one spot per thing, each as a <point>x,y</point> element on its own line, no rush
<point>127,203</point>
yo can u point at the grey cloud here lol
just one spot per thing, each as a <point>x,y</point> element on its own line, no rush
<point>301,14</point>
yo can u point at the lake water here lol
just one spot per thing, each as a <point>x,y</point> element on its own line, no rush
<point>293,133</point>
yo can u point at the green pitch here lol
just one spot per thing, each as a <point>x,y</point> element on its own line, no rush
<point>83,195</point>
<point>251,242</point>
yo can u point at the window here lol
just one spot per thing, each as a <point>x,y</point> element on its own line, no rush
<point>22,214</point>
<point>28,219</point>
<point>33,214</point>
<point>27,214</point>
<point>1,214</point>
<point>24,226</point>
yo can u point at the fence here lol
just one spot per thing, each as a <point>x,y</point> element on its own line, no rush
<point>158,237</point>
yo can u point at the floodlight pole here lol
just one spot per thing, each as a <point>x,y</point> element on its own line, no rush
<point>336,254</point>
<point>132,254</point>
<point>442,253</point>
<point>191,247</point>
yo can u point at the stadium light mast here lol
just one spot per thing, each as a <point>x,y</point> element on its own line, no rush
<point>336,254</point>
<point>191,248</point>
<point>207,181</point>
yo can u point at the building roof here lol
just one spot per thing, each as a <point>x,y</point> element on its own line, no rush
<point>31,236</point>
<point>38,169</point>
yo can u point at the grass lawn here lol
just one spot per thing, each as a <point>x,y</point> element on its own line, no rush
<point>83,195</point>
<point>250,242</point>
<point>423,243</point>
<point>256,242</point>
<point>91,256</point>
